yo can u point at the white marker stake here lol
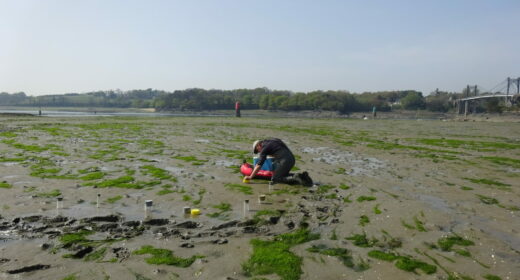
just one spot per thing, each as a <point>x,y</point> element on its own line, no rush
<point>246,208</point>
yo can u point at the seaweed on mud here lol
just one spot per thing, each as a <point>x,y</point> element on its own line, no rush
<point>5,185</point>
<point>192,159</point>
<point>240,188</point>
<point>165,256</point>
<point>259,217</point>
<point>446,243</point>
<point>53,193</point>
<point>363,220</point>
<point>365,198</point>
<point>487,200</point>
<point>418,225</point>
<point>491,183</point>
<point>70,277</point>
<point>361,240</point>
<point>157,172</point>
<point>403,262</point>
<point>114,199</point>
<point>342,254</point>
<point>97,255</point>
<point>224,208</point>
<point>96,175</point>
<point>201,193</point>
<point>347,199</point>
<point>377,211</point>
<point>491,277</point>
<point>125,182</point>
<point>515,163</point>
<point>322,189</point>
<point>469,145</point>
<point>275,257</point>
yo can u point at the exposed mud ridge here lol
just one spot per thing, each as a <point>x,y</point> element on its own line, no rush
<point>50,232</point>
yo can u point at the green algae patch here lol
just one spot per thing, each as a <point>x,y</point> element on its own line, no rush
<point>403,262</point>
<point>515,163</point>
<point>446,243</point>
<point>361,240</point>
<point>275,257</point>
<point>114,199</point>
<point>165,256</point>
<point>322,189</point>
<point>97,255</point>
<point>376,209</point>
<point>5,185</point>
<point>192,159</point>
<point>342,254</point>
<point>363,220</point>
<point>487,200</point>
<point>365,198</point>
<point>240,188</point>
<point>70,277</point>
<point>93,176</point>
<point>469,145</point>
<point>491,277</point>
<point>411,265</point>
<point>490,182</point>
<point>222,214</point>
<point>125,182</point>
<point>53,193</point>
<point>13,159</point>
<point>380,255</point>
<point>156,172</point>
<point>69,239</point>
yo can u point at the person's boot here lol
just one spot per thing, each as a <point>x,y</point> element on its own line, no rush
<point>292,180</point>
<point>306,179</point>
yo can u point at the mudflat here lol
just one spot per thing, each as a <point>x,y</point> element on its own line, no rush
<point>107,198</point>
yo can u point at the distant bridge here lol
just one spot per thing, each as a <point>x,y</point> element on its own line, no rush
<point>509,89</point>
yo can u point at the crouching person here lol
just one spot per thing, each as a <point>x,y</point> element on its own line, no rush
<point>283,161</point>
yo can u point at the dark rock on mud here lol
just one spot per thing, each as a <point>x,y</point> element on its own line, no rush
<point>56,220</point>
<point>250,229</point>
<point>29,268</point>
<point>107,227</point>
<point>220,241</point>
<point>108,218</point>
<point>187,245</point>
<point>226,225</point>
<point>83,252</point>
<point>250,222</point>
<point>187,224</point>
<point>121,253</point>
<point>4,260</point>
<point>156,222</point>
<point>32,219</point>
<point>274,219</point>
<point>131,224</point>
<point>45,246</point>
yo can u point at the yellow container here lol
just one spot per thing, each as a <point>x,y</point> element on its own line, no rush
<point>246,181</point>
<point>195,212</point>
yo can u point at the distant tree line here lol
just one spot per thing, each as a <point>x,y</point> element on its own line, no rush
<point>196,99</point>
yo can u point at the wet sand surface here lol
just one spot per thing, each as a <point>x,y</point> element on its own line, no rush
<point>407,186</point>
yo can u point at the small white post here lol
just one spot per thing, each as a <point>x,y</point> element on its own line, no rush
<point>246,208</point>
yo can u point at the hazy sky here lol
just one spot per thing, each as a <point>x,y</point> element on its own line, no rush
<point>78,46</point>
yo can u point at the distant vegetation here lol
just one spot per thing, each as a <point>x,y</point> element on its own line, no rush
<point>196,99</point>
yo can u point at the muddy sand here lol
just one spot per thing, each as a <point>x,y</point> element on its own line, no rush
<point>393,199</point>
